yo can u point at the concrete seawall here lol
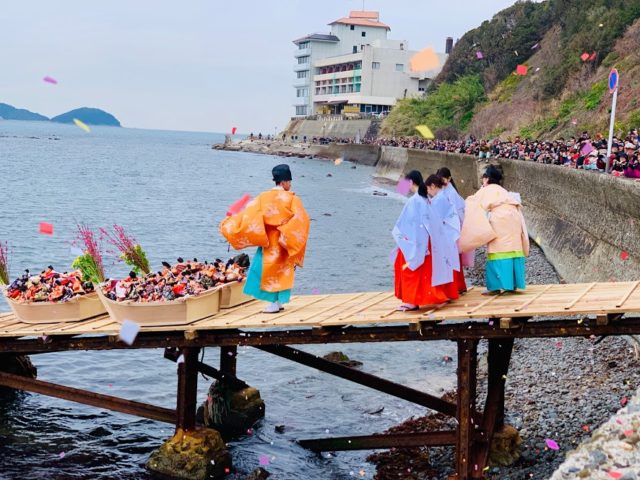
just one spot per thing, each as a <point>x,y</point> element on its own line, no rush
<point>587,224</point>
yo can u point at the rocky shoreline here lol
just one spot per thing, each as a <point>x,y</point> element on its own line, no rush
<point>557,389</point>
<point>271,147</point>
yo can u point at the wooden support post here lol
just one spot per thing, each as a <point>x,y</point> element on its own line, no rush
<point>228,359</point>
<point>467,352</point>
<point>187,388</point>
<point>493,417</point>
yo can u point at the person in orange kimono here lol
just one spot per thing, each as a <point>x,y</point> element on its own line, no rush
<point>277,223</point>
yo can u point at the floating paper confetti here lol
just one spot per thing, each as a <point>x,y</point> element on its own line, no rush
<point>479,55</point>
<point>593,56</point>
<point>552,444</point>
<point>424,60</point>
<point>586,428</point>
<point>233,130</point>
<point>601,25</point>
<point>403,186</point>
<point>46,228</point>
<point>558,344</point>
<point>61,455</point>
<point>239,205</point>
<point>49,79</point>
<point>535,46</point>
<point>522,70</point>
<point>624,401</point>
<point>425,132</point>
<point>129,331</point>
<point>628,433</point>
<point>537,69</point>
<point>180,359</point>
<point>264,459</point>
<point>624,255</point>
<point>615,474</point>
<point>337,161</point>
<point>538,240</point>
<point>82,125</point>
<point>584,57</point>
<point>516,52</point>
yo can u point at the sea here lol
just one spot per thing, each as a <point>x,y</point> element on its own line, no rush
<point>170,190</point>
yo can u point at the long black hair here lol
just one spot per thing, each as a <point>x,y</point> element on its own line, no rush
<point>435,180</point>
<point>416,177</point>
<point>493,174</point>
<point>444,172</point>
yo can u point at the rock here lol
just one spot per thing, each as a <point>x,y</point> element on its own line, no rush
<point>230,412</point>
<point>505,447</point>
<point>279,428</point>
<point>258,474</point>
<point>194,455</point>
<point>17,365</point>
<point>342,359</point>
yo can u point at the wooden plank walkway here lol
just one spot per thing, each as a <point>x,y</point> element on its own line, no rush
<point>379,308</point>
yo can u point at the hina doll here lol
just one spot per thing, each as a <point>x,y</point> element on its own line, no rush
<point>493,217</point>
<point>277,223</point>
<point>417,281</point>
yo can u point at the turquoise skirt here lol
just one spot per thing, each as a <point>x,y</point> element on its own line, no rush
<point>254,279</point>
<point>505,274</point>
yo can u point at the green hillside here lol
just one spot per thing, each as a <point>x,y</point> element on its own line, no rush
<point>484,96</point>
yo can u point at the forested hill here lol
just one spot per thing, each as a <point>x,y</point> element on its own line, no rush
<point>568,48</point>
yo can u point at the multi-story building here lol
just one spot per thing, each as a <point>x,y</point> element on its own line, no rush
<point>355,68</point>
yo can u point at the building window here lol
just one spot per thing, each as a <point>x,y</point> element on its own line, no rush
<point>358,66</point>
<point>343,89</point>
<point>355,49</point>
<point>399,67</point>
<point>361,47</point>
<point>353,27</point>
<point>349,88</point>
<point>364,34</point>
<point>303,60</point>
<point>303,74</point>
<point>357,87</point>
<point>302,92</point>
<point>303,45</point>
<point>318,91</point>
<point>402,46</point>
<point>301,110</point>
<point>375,65</point>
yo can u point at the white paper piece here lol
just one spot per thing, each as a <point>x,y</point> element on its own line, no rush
<point>129,331</point>
<point>180,359</point>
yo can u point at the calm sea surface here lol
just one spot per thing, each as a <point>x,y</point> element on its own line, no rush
<point>170,190</point>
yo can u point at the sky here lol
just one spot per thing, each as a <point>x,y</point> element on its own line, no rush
<point>194,65</point>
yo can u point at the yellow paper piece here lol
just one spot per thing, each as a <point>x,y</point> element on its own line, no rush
<point>338,161</point>
<point>424,60</point>
<point>82,125</point>
<point>538,240</point>
<point>425,132</point>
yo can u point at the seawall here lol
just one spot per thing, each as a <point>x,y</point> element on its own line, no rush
<point>587,224</point>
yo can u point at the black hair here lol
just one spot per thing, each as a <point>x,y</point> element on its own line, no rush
<point>444,172</point>
<point>416,177</point>
<point>493,174</point>
<point>435,180</point>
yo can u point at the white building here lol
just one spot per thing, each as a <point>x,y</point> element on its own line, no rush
<point>355,68</point>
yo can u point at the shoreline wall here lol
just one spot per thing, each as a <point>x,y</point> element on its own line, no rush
<point>587,224</point>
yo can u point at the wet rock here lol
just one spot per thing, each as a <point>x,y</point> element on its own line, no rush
<point>194,455</point>
<point>17,365</point>
<point>342,359</point>
<point>231,412</point>
<point>279,428</point>
<point>258,474</point>
<point>505,447</point>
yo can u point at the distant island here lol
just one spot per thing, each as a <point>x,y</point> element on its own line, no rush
<point>90,116</point>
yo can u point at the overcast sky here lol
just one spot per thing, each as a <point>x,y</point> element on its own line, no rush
<point>200,65</point>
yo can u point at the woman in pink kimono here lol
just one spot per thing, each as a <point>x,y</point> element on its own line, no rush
<point>493,217</point>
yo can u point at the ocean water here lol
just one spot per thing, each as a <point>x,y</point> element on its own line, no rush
<point>170,190</point>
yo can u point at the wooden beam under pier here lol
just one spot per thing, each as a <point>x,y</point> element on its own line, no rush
<point>85,397</point>
<point>374,442</point>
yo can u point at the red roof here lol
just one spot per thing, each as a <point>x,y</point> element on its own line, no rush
<point>363,19</point>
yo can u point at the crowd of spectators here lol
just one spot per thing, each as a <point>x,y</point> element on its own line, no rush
<point>582,152</point>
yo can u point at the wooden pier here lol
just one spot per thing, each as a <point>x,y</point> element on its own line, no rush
<point>571,310</point>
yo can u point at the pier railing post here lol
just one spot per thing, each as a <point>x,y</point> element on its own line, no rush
<point>187,389</point>
<point>467,357</point>
<point>228,360</point>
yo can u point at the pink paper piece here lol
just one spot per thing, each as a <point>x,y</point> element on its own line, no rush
<point>403,186</point>
<point>49,79</point>
<point>264,459</point>
<point>46,228</point>
<point>61,455</point>
<point>552,444</point>
<point>479,55</point>
<point>315,291</point>
<point>129,331</point>
<point>522,70</point>
<point>624,256</point>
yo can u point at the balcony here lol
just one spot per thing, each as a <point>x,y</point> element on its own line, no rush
<point>302,53</point>
<point>301,82</point>
<point>303,66</point>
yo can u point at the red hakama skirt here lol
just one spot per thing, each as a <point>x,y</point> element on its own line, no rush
<point>414,286</point>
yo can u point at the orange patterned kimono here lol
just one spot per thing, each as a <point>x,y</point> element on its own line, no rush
<point>276,221</point>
